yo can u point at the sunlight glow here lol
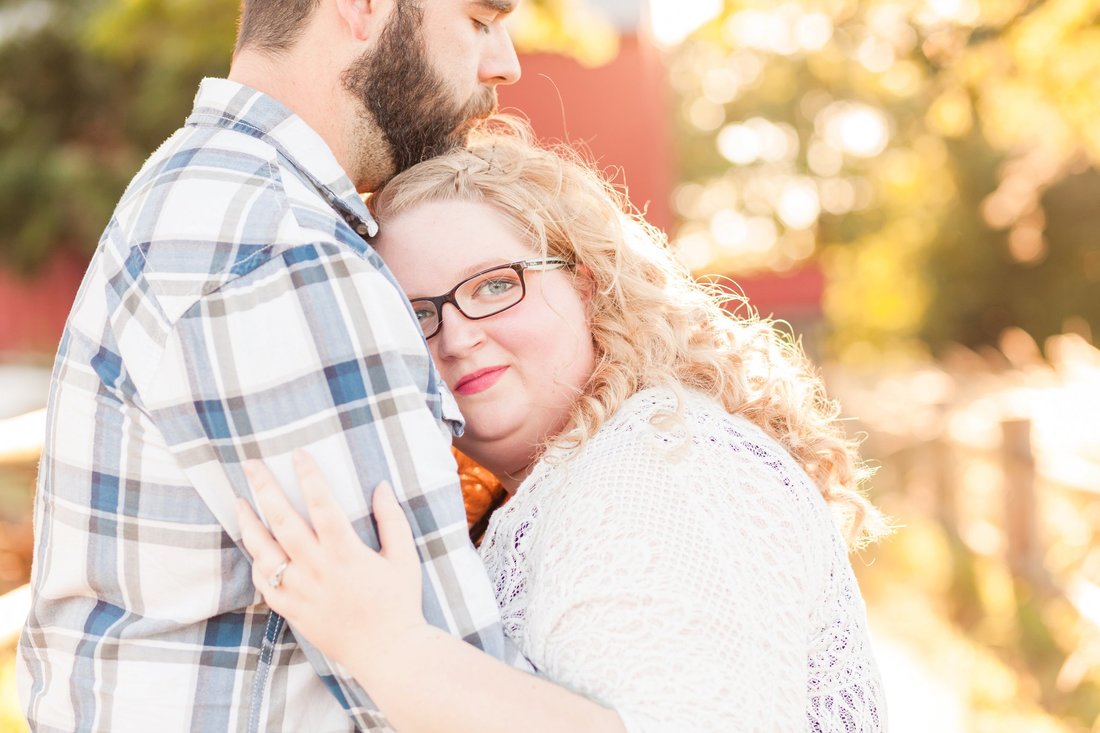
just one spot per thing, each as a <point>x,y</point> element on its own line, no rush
<point>706,115</point>
<point>858,129</point>
<point>813,31</point>
<point>799,206</point>
<point>890,23</point>
<point>730,229</point>
<point>824,158</point>
<point>721,84</point>
<point>762,235</point>
<point>739,144</point>
<point>784,30</point>
<point>838,196</point>
<point>876,55</point>
<point>671,21</point>
<point>694,250</point>
<point>766,31</point>
<point>963,12</point>
<point>758,139</point>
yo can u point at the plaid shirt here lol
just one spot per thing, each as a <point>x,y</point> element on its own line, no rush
<point>232,311</point>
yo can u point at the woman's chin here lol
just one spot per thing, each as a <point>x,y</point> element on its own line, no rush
<point>481,453</point>
<point>499,452</point>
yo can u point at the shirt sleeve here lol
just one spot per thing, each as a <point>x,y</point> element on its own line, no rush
<point>317,349</point>
<point>672,588</point>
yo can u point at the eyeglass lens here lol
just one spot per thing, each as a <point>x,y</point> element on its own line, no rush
<point>481,296</point>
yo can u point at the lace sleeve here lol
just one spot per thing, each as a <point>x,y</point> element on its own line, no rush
<point>673,584</point>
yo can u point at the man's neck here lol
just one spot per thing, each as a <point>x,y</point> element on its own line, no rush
<point>312,93</point>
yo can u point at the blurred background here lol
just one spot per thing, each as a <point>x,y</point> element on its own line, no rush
<point>911,186</point>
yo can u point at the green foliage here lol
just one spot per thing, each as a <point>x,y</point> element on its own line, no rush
<point>568,27</point>
<point>973,215</point>
<point>84,99</point>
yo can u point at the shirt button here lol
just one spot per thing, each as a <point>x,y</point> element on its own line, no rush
<point>362,230</point>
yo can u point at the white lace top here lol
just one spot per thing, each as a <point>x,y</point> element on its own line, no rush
<point>691,578</point>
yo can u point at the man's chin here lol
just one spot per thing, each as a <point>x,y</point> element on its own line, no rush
<point>479,113</point>
<point>462,133</point>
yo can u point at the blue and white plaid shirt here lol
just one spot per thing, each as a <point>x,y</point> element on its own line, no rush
<point>233,310</point>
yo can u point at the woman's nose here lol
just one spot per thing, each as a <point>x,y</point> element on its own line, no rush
<point>458,335</point>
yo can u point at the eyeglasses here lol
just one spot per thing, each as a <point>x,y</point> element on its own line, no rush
<point>482,295</point>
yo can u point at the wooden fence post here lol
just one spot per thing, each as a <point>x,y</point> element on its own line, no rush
<point>1025,552</point>
<point>943,462</point>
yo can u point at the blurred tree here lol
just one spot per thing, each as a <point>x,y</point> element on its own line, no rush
<point>577,28</point>
<point>90,89</point>
<point>936,156</point>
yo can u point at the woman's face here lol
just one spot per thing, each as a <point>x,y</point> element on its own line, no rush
<point>515,374</point>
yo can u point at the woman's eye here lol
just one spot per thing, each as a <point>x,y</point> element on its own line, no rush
<point>424,314</point>
<point>495,286</point>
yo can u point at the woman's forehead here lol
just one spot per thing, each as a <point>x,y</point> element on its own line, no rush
<point>431,246</point>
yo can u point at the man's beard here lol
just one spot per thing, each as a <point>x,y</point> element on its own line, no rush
<point>407,100</point>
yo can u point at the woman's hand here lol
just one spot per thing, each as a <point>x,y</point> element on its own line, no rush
<point>362,610</point>
<point>332,586</point>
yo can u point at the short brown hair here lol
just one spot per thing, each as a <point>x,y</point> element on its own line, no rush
<point>272,25</point>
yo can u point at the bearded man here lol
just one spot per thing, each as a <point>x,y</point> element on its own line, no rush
<point>233,311</point>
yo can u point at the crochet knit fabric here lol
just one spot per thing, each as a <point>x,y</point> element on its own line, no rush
<point>689,576</point>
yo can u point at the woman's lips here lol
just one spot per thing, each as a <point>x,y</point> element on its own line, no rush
<point>480,380</point>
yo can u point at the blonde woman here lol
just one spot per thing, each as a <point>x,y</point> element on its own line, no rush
<point>674,556</point>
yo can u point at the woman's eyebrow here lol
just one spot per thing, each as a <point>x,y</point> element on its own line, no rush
<point>488,264</point>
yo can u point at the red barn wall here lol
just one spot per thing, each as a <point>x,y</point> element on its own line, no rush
<point>617,112</point>
<point>33,309</point>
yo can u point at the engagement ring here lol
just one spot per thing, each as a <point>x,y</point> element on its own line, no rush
<point>277,576</point>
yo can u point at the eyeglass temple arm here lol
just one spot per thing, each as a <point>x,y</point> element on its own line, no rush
<point>547,264</point>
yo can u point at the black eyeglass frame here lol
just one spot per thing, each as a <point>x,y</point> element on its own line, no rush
<point>537,265</point>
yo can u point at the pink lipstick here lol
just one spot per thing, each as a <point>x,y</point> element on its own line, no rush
<point>480,380</point>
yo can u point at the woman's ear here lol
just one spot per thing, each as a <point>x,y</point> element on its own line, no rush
<point>584,281</point>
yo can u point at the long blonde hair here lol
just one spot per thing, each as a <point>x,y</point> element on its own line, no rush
<point>652,323</point>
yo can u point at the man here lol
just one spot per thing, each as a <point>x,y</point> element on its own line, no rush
<point>233,310</point>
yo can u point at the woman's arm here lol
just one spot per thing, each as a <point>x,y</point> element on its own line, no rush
<point>362,609</point>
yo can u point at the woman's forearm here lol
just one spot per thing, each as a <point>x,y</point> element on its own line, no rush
<point>432,681</point>
<point>362,609</point>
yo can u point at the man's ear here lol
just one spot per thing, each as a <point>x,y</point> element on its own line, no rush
<point>364,18</point>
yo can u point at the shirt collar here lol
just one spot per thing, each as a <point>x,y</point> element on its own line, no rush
<point>230,105</point>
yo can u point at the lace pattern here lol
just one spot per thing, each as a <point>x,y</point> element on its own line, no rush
<point>689,575</point>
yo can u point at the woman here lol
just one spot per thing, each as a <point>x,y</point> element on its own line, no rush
<point>669,559</point>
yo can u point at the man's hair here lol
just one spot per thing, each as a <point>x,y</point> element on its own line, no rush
<point>272,25</point>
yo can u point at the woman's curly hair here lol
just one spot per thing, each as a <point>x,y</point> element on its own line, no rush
<point>652,323</point>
